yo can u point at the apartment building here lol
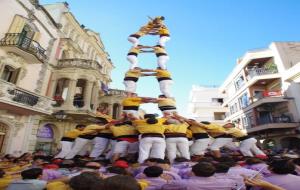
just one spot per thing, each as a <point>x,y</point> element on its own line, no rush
<point>205,104</point>
<point>263,94</point>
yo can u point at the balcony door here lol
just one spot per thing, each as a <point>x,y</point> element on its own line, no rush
<point>26,37</point>
<point>3,134</point>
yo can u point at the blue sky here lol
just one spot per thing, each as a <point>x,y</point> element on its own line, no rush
<point>207,36</point>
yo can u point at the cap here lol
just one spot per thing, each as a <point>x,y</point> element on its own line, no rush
<point>121,164</point>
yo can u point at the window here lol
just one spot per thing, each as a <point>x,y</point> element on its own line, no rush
<point>239,82</point>
<point>243,100</point>
<point>10,74</point>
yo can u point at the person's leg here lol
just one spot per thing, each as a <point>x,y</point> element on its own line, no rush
<point>100,145</point>
<point>165,87</point>
<point>217,144</point>
<point>183,147</point>
<point>163,40</point>
<point>130,86</point>
<point>255,149</point>
<point>112,144</point>
<point>120,149</point>
<point>66,147</point>
<point>245,147</point>
<point>78,145</point>
<point>158,148</point>
<point>144,148</point>
<point>200,146</point>
<point>135,41</point>
<point>133,60</point>
<point>171,148</point>
<point>162,60</point>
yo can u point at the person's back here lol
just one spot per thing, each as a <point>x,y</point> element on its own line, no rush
<point>281,175</point>
<point>153,177</point>
<point>30,181</point>
<point>203,179</point>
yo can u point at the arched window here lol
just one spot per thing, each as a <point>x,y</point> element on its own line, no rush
<point>116,111</point>
<point>3,133</point>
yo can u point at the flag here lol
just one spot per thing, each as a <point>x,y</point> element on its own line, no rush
<point>104,88</point>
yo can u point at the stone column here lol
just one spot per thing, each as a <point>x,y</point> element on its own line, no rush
<point>52,88</point>
<point>88,94</point>
<point>95,96</point>
<point>71,93</point>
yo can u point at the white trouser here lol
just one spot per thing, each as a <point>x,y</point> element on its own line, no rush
<point>134,113</point>
<point>66,147</point>
<point>248,147</point>
<point>79,145</point>
<point>180,143</point>
<point>200,146</point>
<point>100,144</point>
<point>165,87</point>
<point>162,60</point>
<point>133,60</point>
<point>111,149</point>
<point>154,145</point>
<point>130,86</point>
<point>135,41</point>
<point>162,40</point>
<point>219,143</point>
<point>125,147</point>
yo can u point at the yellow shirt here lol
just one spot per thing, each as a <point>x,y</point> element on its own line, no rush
<point>189,134</point>
<point>176,128</point>
<point>72,134</point>
<point>132,101</point>
<point>159,50</point>
<point>57,185</point>
<point>214,128</point>
<point>133,73</point>
<point>163,31</point>
<point>235,132</point>
<point>143,184</point>
<point>143,127</point>
<point>134,50</point>
<point>162,73</point>
<point>123,130</point>
<point>5,181</point>
<point>197,129</point>
<point>92,128</point>
<point>166,102</point>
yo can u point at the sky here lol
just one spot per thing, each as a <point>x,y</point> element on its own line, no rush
<point>207,36</point>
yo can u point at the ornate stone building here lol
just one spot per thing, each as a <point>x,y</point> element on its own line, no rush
<point>27,38</point>
<point>51,73</point>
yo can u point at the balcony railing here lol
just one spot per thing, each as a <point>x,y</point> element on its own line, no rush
<point>116,92</point>
<point>269,120</point>
<point>265,94</point>
<point>24,43</point>
<point>79,63</point>
<point>11,94</point>
<point>260,71</point>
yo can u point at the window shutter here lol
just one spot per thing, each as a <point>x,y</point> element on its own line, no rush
<point>17,25</point>
<point>36,36</point>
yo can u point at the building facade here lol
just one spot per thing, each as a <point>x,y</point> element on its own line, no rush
<point>27,39</point>
<point>205,104</point>
<point>263,94</point>
<point>51,72</point>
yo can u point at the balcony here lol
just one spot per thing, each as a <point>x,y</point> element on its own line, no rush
<point>79,63</point>
<point>115,92</point>
<point>29,49</point>
<point>259,72</point>
<point>281,122</point>
<point>28,102</point>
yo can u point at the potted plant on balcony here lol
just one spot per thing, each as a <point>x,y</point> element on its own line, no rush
<point>59,100</point>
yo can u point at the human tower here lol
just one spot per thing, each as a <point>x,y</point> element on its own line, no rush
<point>170,136</point>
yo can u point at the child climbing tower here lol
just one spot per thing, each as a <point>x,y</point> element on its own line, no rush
<point>165,101</point>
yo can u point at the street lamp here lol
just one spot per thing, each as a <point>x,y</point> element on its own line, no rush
<point>60,115</point>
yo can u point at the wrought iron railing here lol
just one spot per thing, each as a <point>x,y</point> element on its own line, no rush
<point>27,44</point>
<point>24,97</point>
<point>10,93</point>
<point>260,71</point>
<point>116,92</point>
<point>79,63</point>
<point>280,119</point>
